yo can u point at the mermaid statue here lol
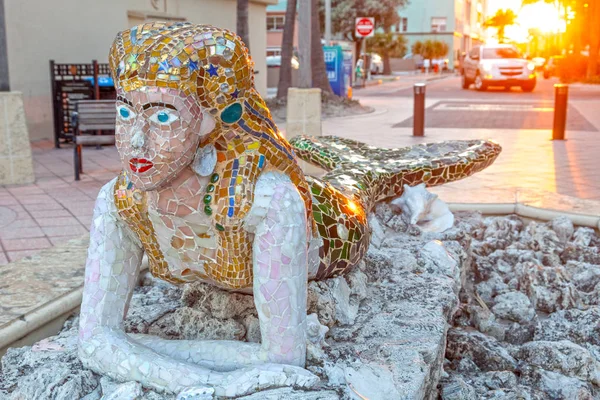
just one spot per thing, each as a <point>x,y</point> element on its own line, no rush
<point>211,191</point>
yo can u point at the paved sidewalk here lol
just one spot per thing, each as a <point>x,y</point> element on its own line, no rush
<point>56,208</point>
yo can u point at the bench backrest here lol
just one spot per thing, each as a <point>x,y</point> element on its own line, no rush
<point>95,115</point>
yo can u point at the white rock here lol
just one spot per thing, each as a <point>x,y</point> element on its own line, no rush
<point>124,391</point>
<point>345,312</point>
<point>514,306</point>
<point>370,382</point>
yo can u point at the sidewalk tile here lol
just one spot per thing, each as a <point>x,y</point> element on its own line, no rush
<point>20,233</point>
<point>25,190</point>
<point>57,240</point>
<point>52,205</point>
<point>53,231</point>
<point>26,244</point>
<point>36,199</point>
<point>50,213</point>
<point>22,223</point>
<point>58,221</point>
<point>17,255</point>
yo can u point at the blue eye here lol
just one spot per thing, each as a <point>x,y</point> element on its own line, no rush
<point>164,117</point>
<point>125,113</point>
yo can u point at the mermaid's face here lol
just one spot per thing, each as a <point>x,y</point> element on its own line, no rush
<point>157,133</point>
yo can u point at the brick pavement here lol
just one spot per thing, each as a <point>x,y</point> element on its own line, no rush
<point>56,208</point>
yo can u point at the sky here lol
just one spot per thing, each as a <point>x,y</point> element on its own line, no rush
<point>540,15</point>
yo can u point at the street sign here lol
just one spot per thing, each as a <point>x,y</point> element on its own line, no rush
<point>365,27</point>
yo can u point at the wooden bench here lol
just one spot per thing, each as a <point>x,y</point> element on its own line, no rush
<point>92,116</point>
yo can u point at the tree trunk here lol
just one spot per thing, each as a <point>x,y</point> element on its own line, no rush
<point>4,81</point>
<point>319,72</point>
<point>592,69</point>
<point>287,51</point>
<point>387,68</point>
<point>243,29</point>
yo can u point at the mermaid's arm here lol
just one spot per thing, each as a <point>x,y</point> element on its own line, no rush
<point>112,267</point>
<point>278,220</point>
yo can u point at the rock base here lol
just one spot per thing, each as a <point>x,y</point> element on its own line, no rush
<point>387,323</point>
<point>529,320</point>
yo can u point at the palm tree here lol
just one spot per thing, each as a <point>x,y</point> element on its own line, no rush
<point>287,51</point>
<point>243,30</point>
<point>440,49</point>
<point>387,45</point>
<point>425,49</point>
<point>500,21</point>
<point>319,71</point>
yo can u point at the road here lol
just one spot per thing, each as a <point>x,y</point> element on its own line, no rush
<point>495,108</point>
<point>450,88</point>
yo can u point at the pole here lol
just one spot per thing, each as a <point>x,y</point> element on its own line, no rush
<point>304,43</point>
<point>561,96</point>
<point>364,57</point>
<point>4,80</point>
<point>328,22</point>
<point>419,110</point>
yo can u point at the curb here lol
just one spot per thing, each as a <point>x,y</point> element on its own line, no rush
<point>526,211</point>
<point>378,82</point>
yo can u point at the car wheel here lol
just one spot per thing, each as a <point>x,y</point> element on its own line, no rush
<point>528,87</point>
<point>479,85</point>
<point>465,82</point>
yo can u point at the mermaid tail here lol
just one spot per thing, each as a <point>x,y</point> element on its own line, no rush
<point>359,176</point>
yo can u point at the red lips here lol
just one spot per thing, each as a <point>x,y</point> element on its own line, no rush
<point>140,164</point>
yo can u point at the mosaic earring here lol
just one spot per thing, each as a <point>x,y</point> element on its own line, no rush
<point>205,160</point>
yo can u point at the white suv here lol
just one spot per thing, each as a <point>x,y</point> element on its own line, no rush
<point>497,65</point>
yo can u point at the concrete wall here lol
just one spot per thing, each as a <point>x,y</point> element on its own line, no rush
<point>77,31</point>
<point>462,28</point>
<point>398,64</point>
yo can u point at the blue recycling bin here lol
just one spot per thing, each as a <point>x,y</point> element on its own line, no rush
<point>339,69</point>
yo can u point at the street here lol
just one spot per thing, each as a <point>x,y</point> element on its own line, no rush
<point>520,122</point>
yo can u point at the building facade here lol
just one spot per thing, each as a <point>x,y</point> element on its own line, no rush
<point>79,31</point>
<point>458,23</point>
<point>275,23</point>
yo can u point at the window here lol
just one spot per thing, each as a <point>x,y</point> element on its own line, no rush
<point>275,22</point>
<point>500,52</point>
<point>438,24</point>
<point>404,25</point>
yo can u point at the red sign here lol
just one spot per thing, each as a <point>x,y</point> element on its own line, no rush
<point>365,27</point>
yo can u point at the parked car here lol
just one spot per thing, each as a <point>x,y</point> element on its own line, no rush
<point>275,61</point>
<point>539,63</point>
<point>376,63</point>
<point>497,65</point>
<point>417,59</point>
<point>552,66</point>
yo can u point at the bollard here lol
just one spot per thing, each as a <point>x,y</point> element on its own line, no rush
<point>561,95</point>
<point>419,110</point>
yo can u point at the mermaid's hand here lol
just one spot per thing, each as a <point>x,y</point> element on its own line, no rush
<point>249,380</point>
